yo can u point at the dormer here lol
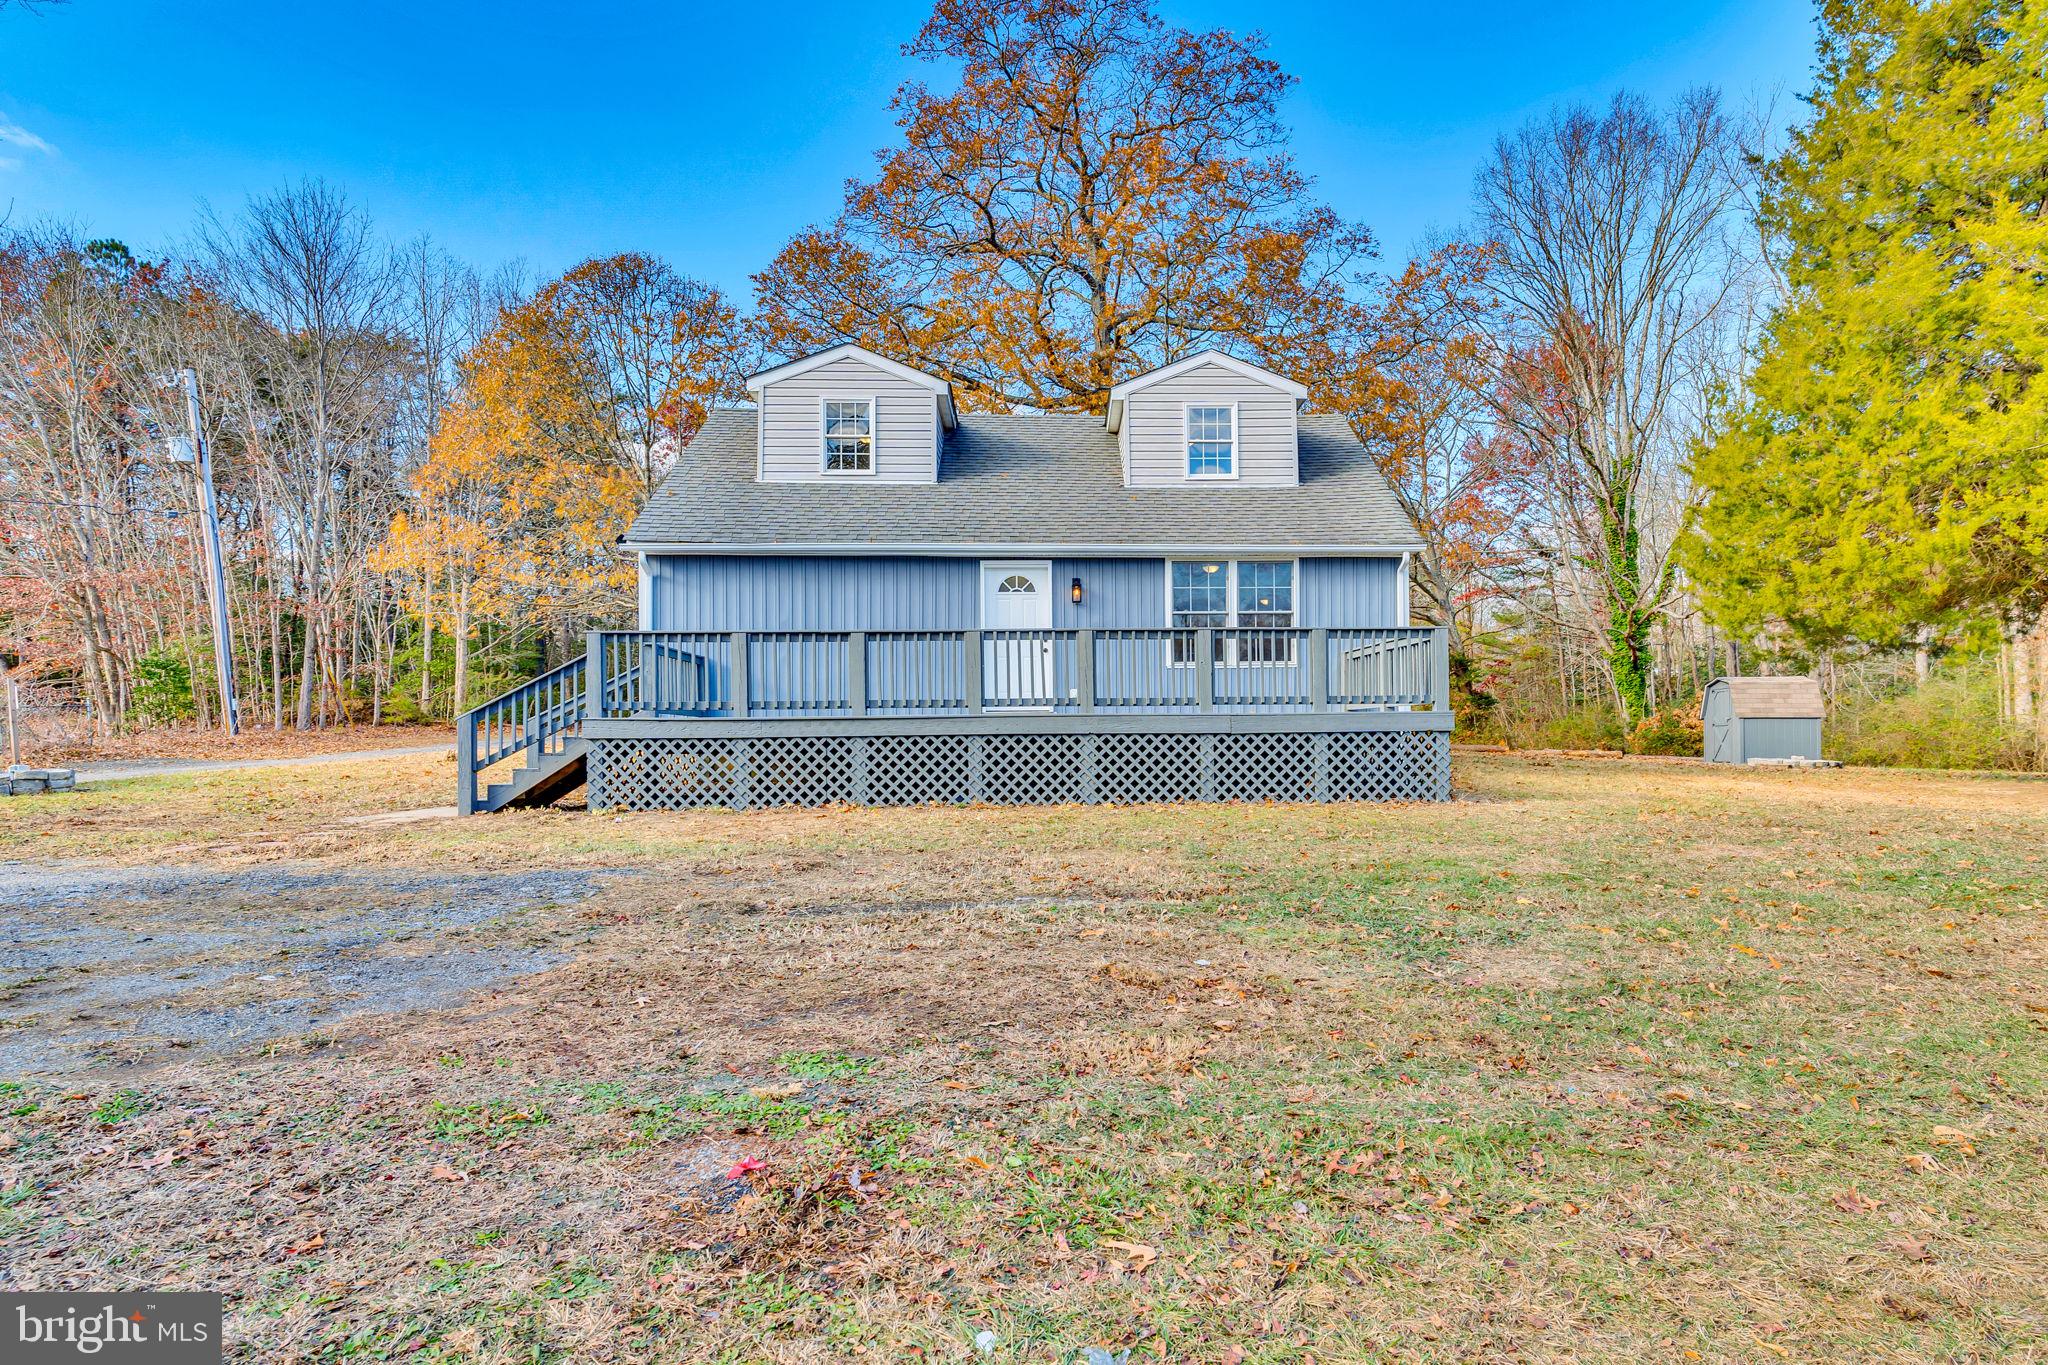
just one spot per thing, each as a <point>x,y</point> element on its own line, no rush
<point>849,415</point>
<point>1208,419</point>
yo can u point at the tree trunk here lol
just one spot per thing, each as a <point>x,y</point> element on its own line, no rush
<point>461,702</point>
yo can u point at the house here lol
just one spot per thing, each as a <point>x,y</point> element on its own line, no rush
<point>853,591</point>
<point>1747,719</point>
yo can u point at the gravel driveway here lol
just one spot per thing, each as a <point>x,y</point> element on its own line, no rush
<point>105,967</point>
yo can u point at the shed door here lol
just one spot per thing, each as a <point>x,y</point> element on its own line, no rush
<point>1016,642</point>
<point>1720,728</point>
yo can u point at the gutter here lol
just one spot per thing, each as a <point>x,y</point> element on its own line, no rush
<point>980,550</point>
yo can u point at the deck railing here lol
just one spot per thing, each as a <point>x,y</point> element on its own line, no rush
<point>541,716</point>
<point>799,674</point>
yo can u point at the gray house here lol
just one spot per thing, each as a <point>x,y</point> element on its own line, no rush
<point>1752,718</point>
<point>854,592</point>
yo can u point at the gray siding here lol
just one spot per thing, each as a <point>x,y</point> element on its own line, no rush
<point>1351,592</point>
<point>1116,594</point>
<point>796,592</point>
<point>1773,737</point>
<point>801,592</point>
<point>906,425</point>
<point>1154,429</point>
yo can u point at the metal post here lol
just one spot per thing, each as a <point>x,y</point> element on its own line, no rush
<point>13,720</point>
<point>1084,669</point>
<point>216,573</point>
<point>1205,671</point>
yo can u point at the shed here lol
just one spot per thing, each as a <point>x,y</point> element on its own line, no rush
<point>1752,718</point>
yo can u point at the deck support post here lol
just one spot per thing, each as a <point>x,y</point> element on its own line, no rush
<point>857,672</point>
<point>1440,669</point>
<point>736,674</point>
<point>1319,669</point>
<point>972,641</point>
<point>465,765</point>
<point>1205,669</point>
<point>593,674</point>
<point>1084,669</point>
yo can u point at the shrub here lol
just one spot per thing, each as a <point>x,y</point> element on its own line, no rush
<point>1950,721</point>
<point>1589,728</point>
<point>1670,731</point>
<point>163,687</point>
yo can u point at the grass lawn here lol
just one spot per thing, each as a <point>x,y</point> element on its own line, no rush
<point>1608,1061</point>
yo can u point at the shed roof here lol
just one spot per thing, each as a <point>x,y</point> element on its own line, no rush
<point>1043,481</point>
<point>1774,698</point>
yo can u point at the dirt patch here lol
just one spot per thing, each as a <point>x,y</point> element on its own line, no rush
<point>211,744</point>
<point>102,965</point>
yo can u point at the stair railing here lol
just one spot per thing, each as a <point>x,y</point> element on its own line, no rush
<point>537,717</point>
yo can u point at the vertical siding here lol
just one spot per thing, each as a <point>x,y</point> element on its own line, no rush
<point>1351,592</point>
<point>1772,737</point>
<point>1116,594</point>
<point>1154,428</point>
<point>795,592</point>
<point>906,424</point>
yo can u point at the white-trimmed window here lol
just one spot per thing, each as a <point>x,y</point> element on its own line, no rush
<point>849,425</point>
<point>1232,595</point>
<point>1212,440</point>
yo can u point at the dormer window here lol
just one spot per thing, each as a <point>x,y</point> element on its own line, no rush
<point>1212,440</point>
<point>849,425</point>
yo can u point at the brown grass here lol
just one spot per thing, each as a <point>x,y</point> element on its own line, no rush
<point>1624,1061</point>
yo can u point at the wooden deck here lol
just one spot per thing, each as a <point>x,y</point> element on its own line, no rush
<point>662,719</point>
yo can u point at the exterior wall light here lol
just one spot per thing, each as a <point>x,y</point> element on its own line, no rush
<point>1075,592</point>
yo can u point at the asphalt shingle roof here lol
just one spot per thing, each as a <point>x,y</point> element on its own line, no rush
<point>1026,481</point>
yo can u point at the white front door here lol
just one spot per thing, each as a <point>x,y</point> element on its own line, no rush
<point>1016,643</point>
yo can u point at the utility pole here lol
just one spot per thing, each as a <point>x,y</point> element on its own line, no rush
<point>216,571</point>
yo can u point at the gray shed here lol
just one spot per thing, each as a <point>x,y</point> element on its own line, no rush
<point>1750,718</point>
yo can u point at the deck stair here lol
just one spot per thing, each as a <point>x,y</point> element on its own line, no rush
<point>540,723</point>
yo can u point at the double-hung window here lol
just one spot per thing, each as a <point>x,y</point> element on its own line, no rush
<point>1234,598</point>
<point>1212,440</point>
<point>849,435</point>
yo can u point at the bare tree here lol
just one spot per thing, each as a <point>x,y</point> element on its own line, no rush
<point>1615,269</point>
<point>306,265</point>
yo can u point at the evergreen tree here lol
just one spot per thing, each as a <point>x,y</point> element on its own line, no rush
<point>1888,467</point>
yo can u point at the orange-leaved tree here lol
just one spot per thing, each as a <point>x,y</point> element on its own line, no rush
<point>1098,194</point>
<point>568,412</point>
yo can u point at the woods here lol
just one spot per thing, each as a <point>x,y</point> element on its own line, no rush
<point>1671,396</point>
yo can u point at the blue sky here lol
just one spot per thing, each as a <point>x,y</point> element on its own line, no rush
<point>709,133</point>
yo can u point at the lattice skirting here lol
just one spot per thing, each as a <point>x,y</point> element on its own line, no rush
<point>1019,769</point>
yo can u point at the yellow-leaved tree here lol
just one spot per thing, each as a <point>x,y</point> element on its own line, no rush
<point>568,412</point>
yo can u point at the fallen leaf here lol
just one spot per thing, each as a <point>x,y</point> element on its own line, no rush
<point>746,1167</point>
<point>1954,1137</point>
<point>311,1244</point>
<point>1141,1255</point>
<point>1852,1201</point>
<point>1912,1248</point>
<point>776,1092</point>
<point>443,1171</point>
